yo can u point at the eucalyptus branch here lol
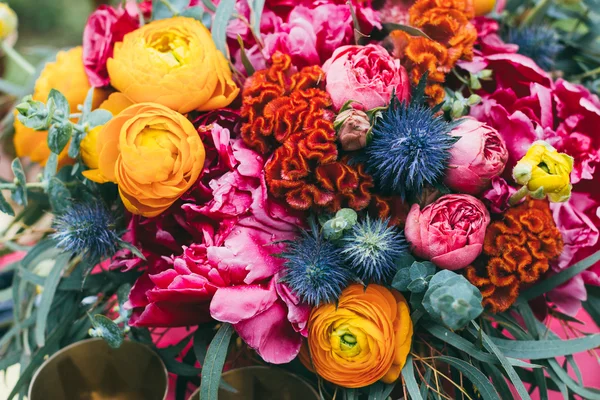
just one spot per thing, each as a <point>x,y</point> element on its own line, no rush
<point>17,58</point>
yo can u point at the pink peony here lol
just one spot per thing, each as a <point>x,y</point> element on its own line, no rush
<point>479,155</point>
<point>308,30</point>
<point>105,27</point>
<point>448,232</point>
<point>231,273</point>
<point>578,221</point>
<point>367,75</point>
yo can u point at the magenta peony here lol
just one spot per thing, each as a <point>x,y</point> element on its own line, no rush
<point>307,30</point>
<point>496,198</point>
<point>478,156</point>
<point>367,75</point>
<point>105,27</point>
<point>448,232</point>
<point>239,230</point>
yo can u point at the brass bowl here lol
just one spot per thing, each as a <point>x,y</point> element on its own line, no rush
<point>264,383</point>
<point>91,370</point>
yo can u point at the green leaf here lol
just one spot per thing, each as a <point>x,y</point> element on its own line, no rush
<point>543,349</point>
<point>499,381</point>
<point>48,293</point>
<point>536,16</point>
<point>469,348</point>
<point>201,337</point>
<point>59,135</point>
<point>109,330</point>
<point>214,361</point>
<point>87,104</point>
<point>61,103</point>
<point>586,393</point>
<point>163,9</point>
<point>408,374</point>
<point>51,166</point>
<point>380,391</point>
<point>554,281</point>
<point>20,193</point>
<point>245,60</point>
<point>411,30</point>
<point>479,380</point>
<point>209,5</point>
<point>350,394</point>
<point>5,207</point>
<point>196,12</point>
<point>59,196</point>
<point>402,279</point>
<point>219,28</point>
<point>256,10</point>
<point>98,117</point>
<point>592,304</point>
<point>512,374</point>
<point>405,260</point>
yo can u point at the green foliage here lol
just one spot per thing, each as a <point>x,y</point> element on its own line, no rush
<point>343,221</point>
<point>452,299</point>
<point>163,9</point>
<point>414,278</point>
<point>221,19</point>
<point>213,363</point>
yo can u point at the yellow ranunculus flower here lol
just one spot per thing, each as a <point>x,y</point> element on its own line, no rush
<point>365,338</point>
<point>67,76</point>
<point>154,155</point>
<point>173,62</point>
<point>8,21</point>
<point>545,171</point>
<point>483,7</point>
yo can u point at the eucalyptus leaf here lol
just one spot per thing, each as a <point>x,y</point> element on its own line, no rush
<point>219,26</point>
<point>108,330</point>
<point>48,293</point>
<point>209,5</point>
<point>213,363</point>
<point>405,260</point>
<point>408,374</point>
<point>543,349</point>
<point>5,207</point>
<point>59,196</point>
<point>61,103</point>
<point>245,60</point>
<point>402,280</point>
<point>196,12</point>
<point>256,10</point>
<point>585,392</point>
<point>512,374</point>
<point>98,117</point>
<point>20,193</point>
<point>51,166</point>
<point>479,380</point>
<point>59,135</point>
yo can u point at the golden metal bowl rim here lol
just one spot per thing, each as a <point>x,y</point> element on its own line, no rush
<point>197,391</point>
<point>87,341</point>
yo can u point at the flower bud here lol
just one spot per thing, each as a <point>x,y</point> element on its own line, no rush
<point>8,21</point>
<point>483,7</point>
<point>23,108</point>
<point>353,127</point>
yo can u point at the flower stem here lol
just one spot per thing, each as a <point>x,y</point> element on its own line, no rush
<point>31,185</point>
<point>17,58</point>
<point>518,196</point>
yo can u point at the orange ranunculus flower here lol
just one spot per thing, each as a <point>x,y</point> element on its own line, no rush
<point>363,339</point>
<point>173,62</point>
<point>67,76</point>
<point>153,153</point>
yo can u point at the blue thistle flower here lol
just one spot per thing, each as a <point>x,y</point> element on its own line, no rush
<point>314,268</point>
<point>538,42</point>
<point>409,148</point>
<point>371,249</point>
<point>87,229</point>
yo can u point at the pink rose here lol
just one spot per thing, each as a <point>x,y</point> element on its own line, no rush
<point>479,155</point>
<point>367,75</point>
<point>105,27</point>
<point>448,232</point>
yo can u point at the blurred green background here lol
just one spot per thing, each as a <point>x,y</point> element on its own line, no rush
<point>48,24</point>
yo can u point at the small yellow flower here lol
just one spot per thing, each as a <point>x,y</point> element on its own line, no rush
<point>545,172</point>
<point>8,21</point>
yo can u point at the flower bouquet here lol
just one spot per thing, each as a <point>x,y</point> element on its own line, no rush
<point>386,199</point>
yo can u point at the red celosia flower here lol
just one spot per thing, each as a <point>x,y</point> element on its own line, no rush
<point>517,251</point>
<point>290,112</point>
